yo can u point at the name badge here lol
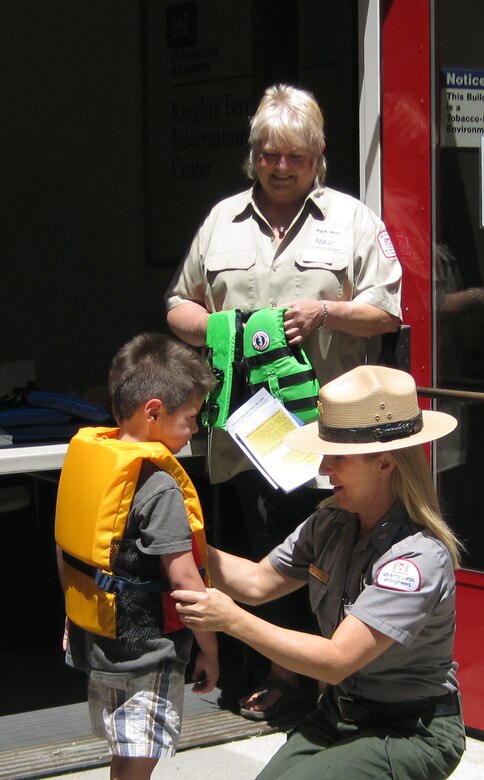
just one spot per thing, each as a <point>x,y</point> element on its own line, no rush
<point>325,238</point>
<point>319,574</point>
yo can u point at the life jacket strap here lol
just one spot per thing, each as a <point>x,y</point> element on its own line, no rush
<point>289,381</point>
<point>110,583</point>
<point>256,361</point>
<point>301,404</point>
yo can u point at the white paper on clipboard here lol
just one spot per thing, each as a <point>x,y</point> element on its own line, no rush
<point>258,427</point>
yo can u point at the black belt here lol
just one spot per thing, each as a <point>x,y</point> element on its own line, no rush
<point>358,710</point>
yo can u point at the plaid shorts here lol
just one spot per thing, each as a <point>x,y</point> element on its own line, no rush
<point>140,717</point>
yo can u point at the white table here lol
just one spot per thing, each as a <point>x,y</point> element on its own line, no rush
<point>37,457</point>
<point>50,457</point>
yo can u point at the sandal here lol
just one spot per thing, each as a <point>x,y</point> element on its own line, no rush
<point>289,695</point>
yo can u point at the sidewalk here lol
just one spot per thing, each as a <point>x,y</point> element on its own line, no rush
<point>57,743</point>
<point>244,759</point>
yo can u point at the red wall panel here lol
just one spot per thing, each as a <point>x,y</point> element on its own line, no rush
<point>406,150</point>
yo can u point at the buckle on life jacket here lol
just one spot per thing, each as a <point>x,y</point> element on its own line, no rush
<point>108,583</point>
<point>112,584</point>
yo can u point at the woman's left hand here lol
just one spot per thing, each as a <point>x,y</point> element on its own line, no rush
<point>301,318</point>
<point>208,610</point>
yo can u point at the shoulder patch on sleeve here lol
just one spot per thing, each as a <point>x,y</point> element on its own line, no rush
<point>400,574</point>
<point>386,245</point>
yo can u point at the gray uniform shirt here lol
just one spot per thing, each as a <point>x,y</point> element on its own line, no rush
<point>398,579</point>
<point>158,521</point>
<point>337,249</point>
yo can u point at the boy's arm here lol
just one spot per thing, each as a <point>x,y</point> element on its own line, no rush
<point>181,567</point>
<point>206,668</point>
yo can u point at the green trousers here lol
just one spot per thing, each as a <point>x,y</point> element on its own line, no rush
<point>325,747</point>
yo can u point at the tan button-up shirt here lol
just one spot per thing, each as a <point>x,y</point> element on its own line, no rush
<point>335,249</point>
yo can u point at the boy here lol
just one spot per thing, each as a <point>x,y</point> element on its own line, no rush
<point>129,529</point>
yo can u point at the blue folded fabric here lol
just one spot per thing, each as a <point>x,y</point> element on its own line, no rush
<point>29,415</point>
<point>71,404</point>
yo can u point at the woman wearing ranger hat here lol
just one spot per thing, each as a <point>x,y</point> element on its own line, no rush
<point>379,560</point>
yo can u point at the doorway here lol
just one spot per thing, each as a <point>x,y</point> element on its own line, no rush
<point>458,289</point>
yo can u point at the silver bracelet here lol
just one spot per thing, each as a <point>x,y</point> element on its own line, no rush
<point>324,321</point>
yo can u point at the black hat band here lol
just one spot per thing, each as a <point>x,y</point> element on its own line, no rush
<point>371,433</point>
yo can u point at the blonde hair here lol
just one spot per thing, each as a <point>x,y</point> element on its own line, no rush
<point>287,116</point>
<point>413,486</point>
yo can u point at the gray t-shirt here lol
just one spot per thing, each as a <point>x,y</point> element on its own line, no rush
<point>398,579</point>
<point>159,523</point>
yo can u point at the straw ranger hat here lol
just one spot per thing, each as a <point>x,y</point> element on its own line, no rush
<point>369,409</point>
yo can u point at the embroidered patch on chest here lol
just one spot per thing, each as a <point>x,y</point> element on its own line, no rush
<point>386,244</point>
<point>400,574</point>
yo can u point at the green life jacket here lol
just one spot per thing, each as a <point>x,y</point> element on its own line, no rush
<point>249,351</point>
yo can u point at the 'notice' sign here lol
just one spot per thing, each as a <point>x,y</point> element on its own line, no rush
<point>462,122</point>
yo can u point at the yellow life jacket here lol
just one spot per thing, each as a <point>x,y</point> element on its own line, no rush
<point>96,489</point>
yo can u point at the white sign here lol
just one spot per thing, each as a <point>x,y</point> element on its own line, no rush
<point>462,118</point>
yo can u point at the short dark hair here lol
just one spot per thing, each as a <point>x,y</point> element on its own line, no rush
<point>152,365</point>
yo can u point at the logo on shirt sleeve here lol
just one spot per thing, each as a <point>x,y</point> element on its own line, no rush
<point>400,574</point>
<point>386,245</point>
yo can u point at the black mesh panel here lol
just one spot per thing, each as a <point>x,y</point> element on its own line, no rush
<point>139,616</point>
